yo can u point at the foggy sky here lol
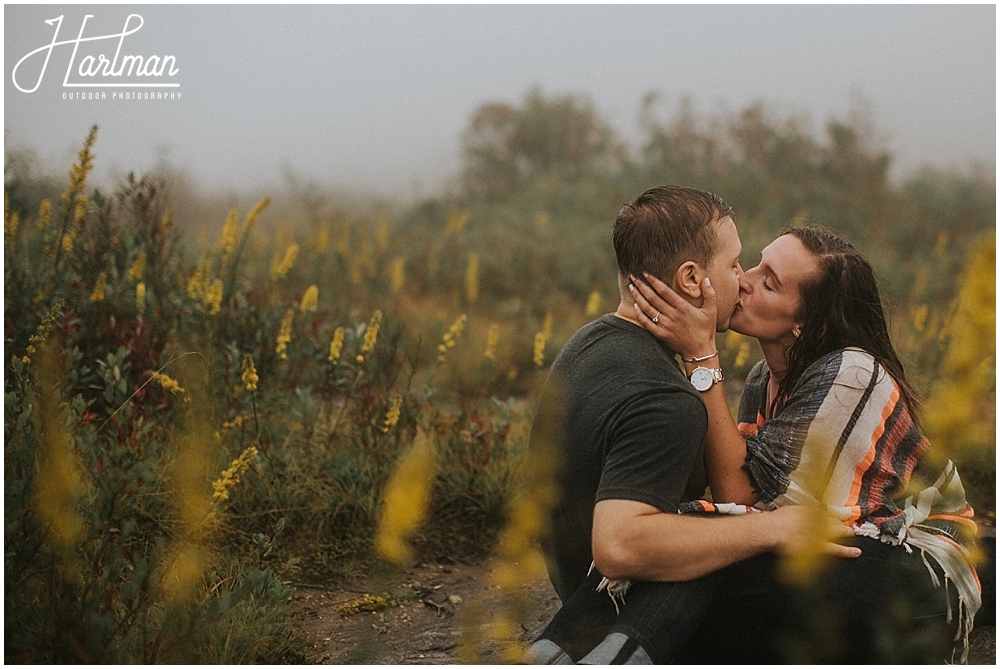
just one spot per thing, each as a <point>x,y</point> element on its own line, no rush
<point>375,98</point>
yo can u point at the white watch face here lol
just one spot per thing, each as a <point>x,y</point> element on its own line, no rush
<point>702,379</point>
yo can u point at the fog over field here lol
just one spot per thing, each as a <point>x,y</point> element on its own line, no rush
<point>375,98</point>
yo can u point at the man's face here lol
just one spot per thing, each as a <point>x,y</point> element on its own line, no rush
<point>724,271</point>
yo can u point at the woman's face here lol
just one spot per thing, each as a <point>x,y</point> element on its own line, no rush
<point>770,293</point>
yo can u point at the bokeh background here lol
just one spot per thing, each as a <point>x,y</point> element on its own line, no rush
<point>294,323</point>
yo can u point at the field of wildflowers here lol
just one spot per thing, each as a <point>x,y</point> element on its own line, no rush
<point>201,410</point>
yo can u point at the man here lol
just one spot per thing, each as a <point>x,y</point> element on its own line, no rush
<point>631,428</point>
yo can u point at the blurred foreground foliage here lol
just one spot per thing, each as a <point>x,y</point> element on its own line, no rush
<point>193,396</point>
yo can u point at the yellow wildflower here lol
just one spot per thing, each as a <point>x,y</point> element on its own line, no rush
<point>140,297</point>
<point>231,476</point>
<point>321,239</point>
<point>492,339</point>
<point>254,214</point>
<point>78,173</point>
<point>67,243</point>
<point>920,318</point>
<point>59,485</point>
<point>382,235</point>
<point>398,274</point>
<point>405,501</point>
<point>10,221</point>
<point>336,344</point>
<point>448,340</point>
<point>213,297</point>
<point>542,340</point>
<point>542,220</point>
<point>81,207</point>
<point>343,245</point>
<point>309,299</point>
<point>36,340</point>
<point>198,283</point>
<point>138,267</point>
<point>227,239</point>
<point>284,262</point>
<point>455,222</point>
<point>100,287</point>
<point>44,215</point>
<point>285,335</point>
<point>167,383</point>
<point>472,278</point>
<point>249,373</point>
<point>392,415</point>
<point>371,335</point>
<point>594,304</point>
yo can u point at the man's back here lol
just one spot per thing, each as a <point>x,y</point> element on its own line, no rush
<point>633,428</point>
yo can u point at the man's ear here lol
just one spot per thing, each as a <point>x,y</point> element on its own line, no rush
<point>687,279</point>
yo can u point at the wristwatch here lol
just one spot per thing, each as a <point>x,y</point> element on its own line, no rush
<point>703,378</point>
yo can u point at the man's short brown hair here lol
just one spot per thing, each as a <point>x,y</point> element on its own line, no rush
<point>664,227</point>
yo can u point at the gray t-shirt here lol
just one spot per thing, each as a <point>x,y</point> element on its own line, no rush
<point>628,425</point>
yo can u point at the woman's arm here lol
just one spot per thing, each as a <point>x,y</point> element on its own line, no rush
<point>690,331</point>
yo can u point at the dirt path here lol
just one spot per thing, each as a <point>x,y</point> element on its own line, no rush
<point>432,608</point>
<point>424,614</point>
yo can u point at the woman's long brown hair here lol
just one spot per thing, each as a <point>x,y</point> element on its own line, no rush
<point>841,308</point>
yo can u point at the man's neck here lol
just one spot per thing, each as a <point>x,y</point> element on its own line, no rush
<point>626,311</point>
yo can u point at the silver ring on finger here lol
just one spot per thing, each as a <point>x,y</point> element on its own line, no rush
<point>656,318</point>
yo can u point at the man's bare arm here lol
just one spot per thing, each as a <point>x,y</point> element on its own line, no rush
<point>636,541</point>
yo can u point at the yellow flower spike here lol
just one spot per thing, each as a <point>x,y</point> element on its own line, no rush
<point>81,207</point>
<point>309,299</point>
<point>282,263</point>
<point>285,334</point>
<point>321,239</point>
<point>140,297</point>
<point>44,215</point>
<point>448,340</point>
<point>343,244</point>
<point>67,243</point>
<point>10,224</point>
<point>78,173</point>
<point>392,415</point>
<point>212,298</point>
<point>253,215</point>
<point>249,373</point>
<point>167,383</point>
<point>100,287</point>
<point>382,235</point>
<point>227,238</point>
<point>231,476</point>
<point>398,273</point>
<point>41,334</point>
<point>198,283</point>
<point>594,304</point>
<point>336,344</point>
<point>455,222</point>
<point>371,333</point>
<point>492,340</point>
<point>138,267</point>
<point>539,353</point>
<point>59,484</point>
<point>547,325</point>
<point>405,501</point>
<point>472,278</point>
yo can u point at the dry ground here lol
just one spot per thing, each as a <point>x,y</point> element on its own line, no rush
<point>440,604</point>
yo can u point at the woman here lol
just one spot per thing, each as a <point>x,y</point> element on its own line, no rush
<point>828,416</point>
